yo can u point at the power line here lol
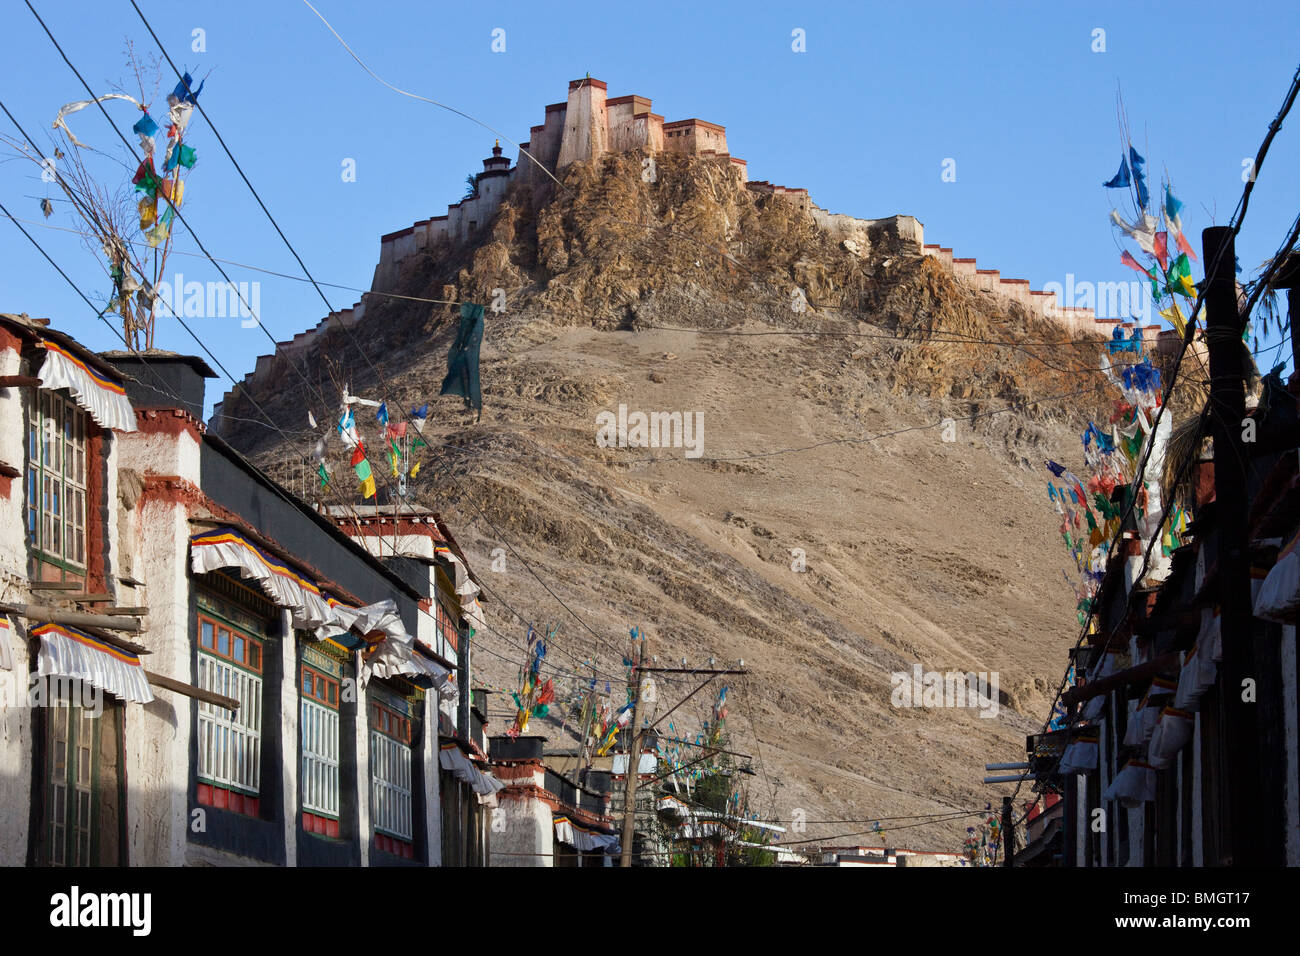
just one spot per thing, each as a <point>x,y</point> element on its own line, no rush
<point>563,187</point>
<point>234,161</point>
<point>914,337</point>
<point>1238,219</point>
<point>162,386</point>
<point>304,378</point>
<point>866,440</point>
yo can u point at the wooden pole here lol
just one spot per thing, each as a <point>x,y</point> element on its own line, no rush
<point>1070,799</point>
<point>1163,664</point>
<point>189,690</point>
<point>1008,834</point>
<point>588,712</point>
<point>1224,326</point>
<point>1293,314</point>
<point>633,762</point>
<point>54,615</point>
<point>1288,277</point>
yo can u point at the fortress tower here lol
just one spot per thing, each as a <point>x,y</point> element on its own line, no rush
<point>589,125</point>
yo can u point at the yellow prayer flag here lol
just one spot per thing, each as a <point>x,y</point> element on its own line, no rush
<point>148,209</point>
<point>368,487</point>
<point>416,470</point>
<point>1175,316</point>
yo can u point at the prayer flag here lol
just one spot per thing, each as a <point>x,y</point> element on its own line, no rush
<point>1121,179</point>
<point>185,91</point>
<point>463,359</point>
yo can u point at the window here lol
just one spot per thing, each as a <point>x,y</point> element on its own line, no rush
<point>229,745</point>
<point>83,783</point>
<point>56,480</point>
<point>318,687</point>
<point>390,773</point>
<point>448,633</point>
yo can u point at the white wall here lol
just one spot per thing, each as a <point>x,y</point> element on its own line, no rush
<point>15,715</point>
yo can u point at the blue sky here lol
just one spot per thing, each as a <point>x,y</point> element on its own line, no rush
<point>1013,92</point>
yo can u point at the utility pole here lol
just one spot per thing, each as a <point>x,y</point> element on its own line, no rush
<point>634,747</point>
<point>1288,278</point>
<point>588,712</point>
<point>1239,726</point>
<point>633,761</point>
<point>1008,834</point>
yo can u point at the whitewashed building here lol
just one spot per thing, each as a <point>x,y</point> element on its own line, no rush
<point>197,668</point>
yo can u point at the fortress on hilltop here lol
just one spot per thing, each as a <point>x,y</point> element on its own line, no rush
<point>588,125</point>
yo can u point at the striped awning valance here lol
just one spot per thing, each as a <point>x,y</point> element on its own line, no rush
<point>227,548</point>
<point>68,653</point>
<point>450,757</point>
<point>1278,596</point>
<point>583,838</point>
<point>363,626</point>
<point>100,395</point>
<point>6,632</point>
<point>466,588</point>
<point>395,657</point>
<point>386,648</point>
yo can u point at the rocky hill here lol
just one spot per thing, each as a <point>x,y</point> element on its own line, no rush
<point>675,295</point>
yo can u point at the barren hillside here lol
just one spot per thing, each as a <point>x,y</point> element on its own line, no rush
<point>918,550</point>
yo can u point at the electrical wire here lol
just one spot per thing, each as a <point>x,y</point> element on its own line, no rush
<point>1237,222</point>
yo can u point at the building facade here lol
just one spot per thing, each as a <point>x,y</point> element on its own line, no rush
<point>1155,749</point>
<point>202,669</point>
<point>543,817</point>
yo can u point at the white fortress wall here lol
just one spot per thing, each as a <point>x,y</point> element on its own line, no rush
<point>588,125</point>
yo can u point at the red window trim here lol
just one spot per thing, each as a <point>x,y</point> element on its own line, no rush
<point>402,848</point>
<point>320,824</point>
<point>93,577</point>
<point>322,681</point>
<point>249,642</point>
<point>390,723</point>
<point>223,798</point>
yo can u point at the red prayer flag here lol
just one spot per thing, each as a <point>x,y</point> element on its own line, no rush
<point>1162,248</point>
<point>397,431</point>
<point>1184,245</point>
<point>146,169</point>
<point>358,454</point>
<point>1128,260</point>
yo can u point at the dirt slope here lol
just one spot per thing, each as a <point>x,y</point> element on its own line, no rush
<point>917,550</point>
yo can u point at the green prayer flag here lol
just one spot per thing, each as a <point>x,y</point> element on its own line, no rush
<point>463,359</point>
<point>363,469</point>
<point>324,475</point>
<point>186,156</point>
<point>418,443</point>
<point>148,183</point>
